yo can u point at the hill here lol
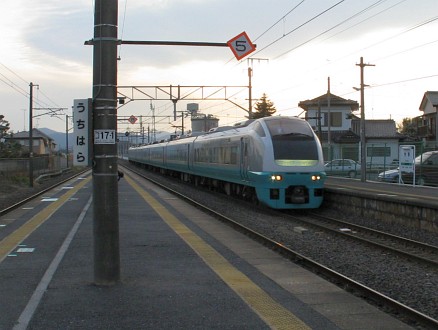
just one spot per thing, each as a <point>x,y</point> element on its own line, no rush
<point>59,137</point>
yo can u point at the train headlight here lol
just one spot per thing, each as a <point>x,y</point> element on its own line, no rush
<point>276,177</point>
<point>316,177</point>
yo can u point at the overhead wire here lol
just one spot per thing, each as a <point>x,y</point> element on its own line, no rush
<point>366,19</point>
<point>37,102</point>
<point>300,26</point>
<point>281,19</point>
<point>414,27</point>
<point>274,24</point>
<point>384,10</point>
<point>123,28</point>
<point>333,27</point>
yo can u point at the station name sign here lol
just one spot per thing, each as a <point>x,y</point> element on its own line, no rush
<point>81,132</point>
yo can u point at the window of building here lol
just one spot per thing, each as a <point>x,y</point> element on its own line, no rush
<point>378,151</point>
<point>336,119</point>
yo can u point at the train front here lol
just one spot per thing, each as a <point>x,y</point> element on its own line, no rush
<point>293,167</point>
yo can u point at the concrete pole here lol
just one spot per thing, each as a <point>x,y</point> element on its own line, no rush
<point>329,124</point>
<point>363,156</point>
<point>31,135</point>
<point>66,139</point>
<point>105,189</point>
<point>250,93</point>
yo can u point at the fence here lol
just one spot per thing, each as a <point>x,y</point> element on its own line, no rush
<point>380,156</point>
<point>19,167</point>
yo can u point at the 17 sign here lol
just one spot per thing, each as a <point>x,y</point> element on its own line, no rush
<point>241,45</point>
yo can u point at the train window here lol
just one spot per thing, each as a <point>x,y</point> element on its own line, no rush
<point>293,141</point>
<point>233,156</point>
<point>288,126</point>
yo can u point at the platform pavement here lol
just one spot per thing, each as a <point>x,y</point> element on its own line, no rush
<point>165,283</point>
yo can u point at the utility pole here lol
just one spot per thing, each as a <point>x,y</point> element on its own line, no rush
<point>250,70</point>
<point>363,156</point>
<point>329,133</point>
<point>66,138</point>
<point>105,189</point>
<point>250,93</point>
<point>31,86</point>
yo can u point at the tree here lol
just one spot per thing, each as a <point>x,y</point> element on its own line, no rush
<point>4,126</point>
<point>8,149</point>
<point>264,108</point>
<point>407,127</point>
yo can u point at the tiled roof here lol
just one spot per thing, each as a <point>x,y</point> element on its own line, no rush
<point>380,128</point>
<point>323,101</point>
<point>36,133</point>
<point>340,137</point>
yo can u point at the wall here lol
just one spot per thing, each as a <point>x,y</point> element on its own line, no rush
<point>385,208</point>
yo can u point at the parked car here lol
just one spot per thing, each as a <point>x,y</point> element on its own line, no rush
<point>426,170</point>
<point>389,176</point>
<point>342,167</point>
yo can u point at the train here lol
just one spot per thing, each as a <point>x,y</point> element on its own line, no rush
<point>276,161</point>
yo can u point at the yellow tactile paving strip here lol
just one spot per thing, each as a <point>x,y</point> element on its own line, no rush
<point>10,242</point>
<point>275,315</point>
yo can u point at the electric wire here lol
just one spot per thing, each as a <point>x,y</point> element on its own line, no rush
<point>123,29</point>
<point>281,19</point>
<point>333,27</point>
<point>300,26</point>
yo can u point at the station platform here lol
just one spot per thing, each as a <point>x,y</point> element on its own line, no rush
<point>420,195</point>
<point>409,205</point>
<point>180,269</point>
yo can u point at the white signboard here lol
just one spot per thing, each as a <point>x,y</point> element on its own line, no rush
<point>104,136</point>
<point>81,129</point>
<point>241,45</point>
<point>406,158</point>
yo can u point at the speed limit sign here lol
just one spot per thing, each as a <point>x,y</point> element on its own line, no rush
<point>241,45</point>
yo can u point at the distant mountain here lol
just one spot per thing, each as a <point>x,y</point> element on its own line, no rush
<point>59,137</point>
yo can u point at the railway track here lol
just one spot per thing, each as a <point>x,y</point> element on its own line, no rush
<point>410,249</point>
<point>25,199</point>
<point>409,314</point>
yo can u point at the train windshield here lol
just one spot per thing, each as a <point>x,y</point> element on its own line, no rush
<point>293,141</point>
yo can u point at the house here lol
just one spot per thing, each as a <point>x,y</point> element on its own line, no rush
<point>382,140</point>
<point>336,136</point>
<point>340,137</point>
<point>42,144</point>
<point>426,124</point>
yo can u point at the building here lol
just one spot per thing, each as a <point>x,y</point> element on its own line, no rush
<point>426,124</point>
<point>382,140</point>
<point>336,136</point>
<point>340,137</point>
<point>42,144</point>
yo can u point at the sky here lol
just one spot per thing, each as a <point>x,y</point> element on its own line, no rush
<point>300,44</point>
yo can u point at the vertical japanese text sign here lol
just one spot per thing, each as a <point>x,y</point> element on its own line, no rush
<point>81,128</point>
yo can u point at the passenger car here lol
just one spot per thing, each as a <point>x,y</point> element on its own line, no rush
<point>343,167</point>
<point>426,170</point>
<point>389,176</point>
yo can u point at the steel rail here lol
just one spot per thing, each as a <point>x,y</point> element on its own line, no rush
<point>433,250</point>
<point>27,199</point>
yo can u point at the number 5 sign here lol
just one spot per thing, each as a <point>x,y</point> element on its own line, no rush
<point>241,45</point>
